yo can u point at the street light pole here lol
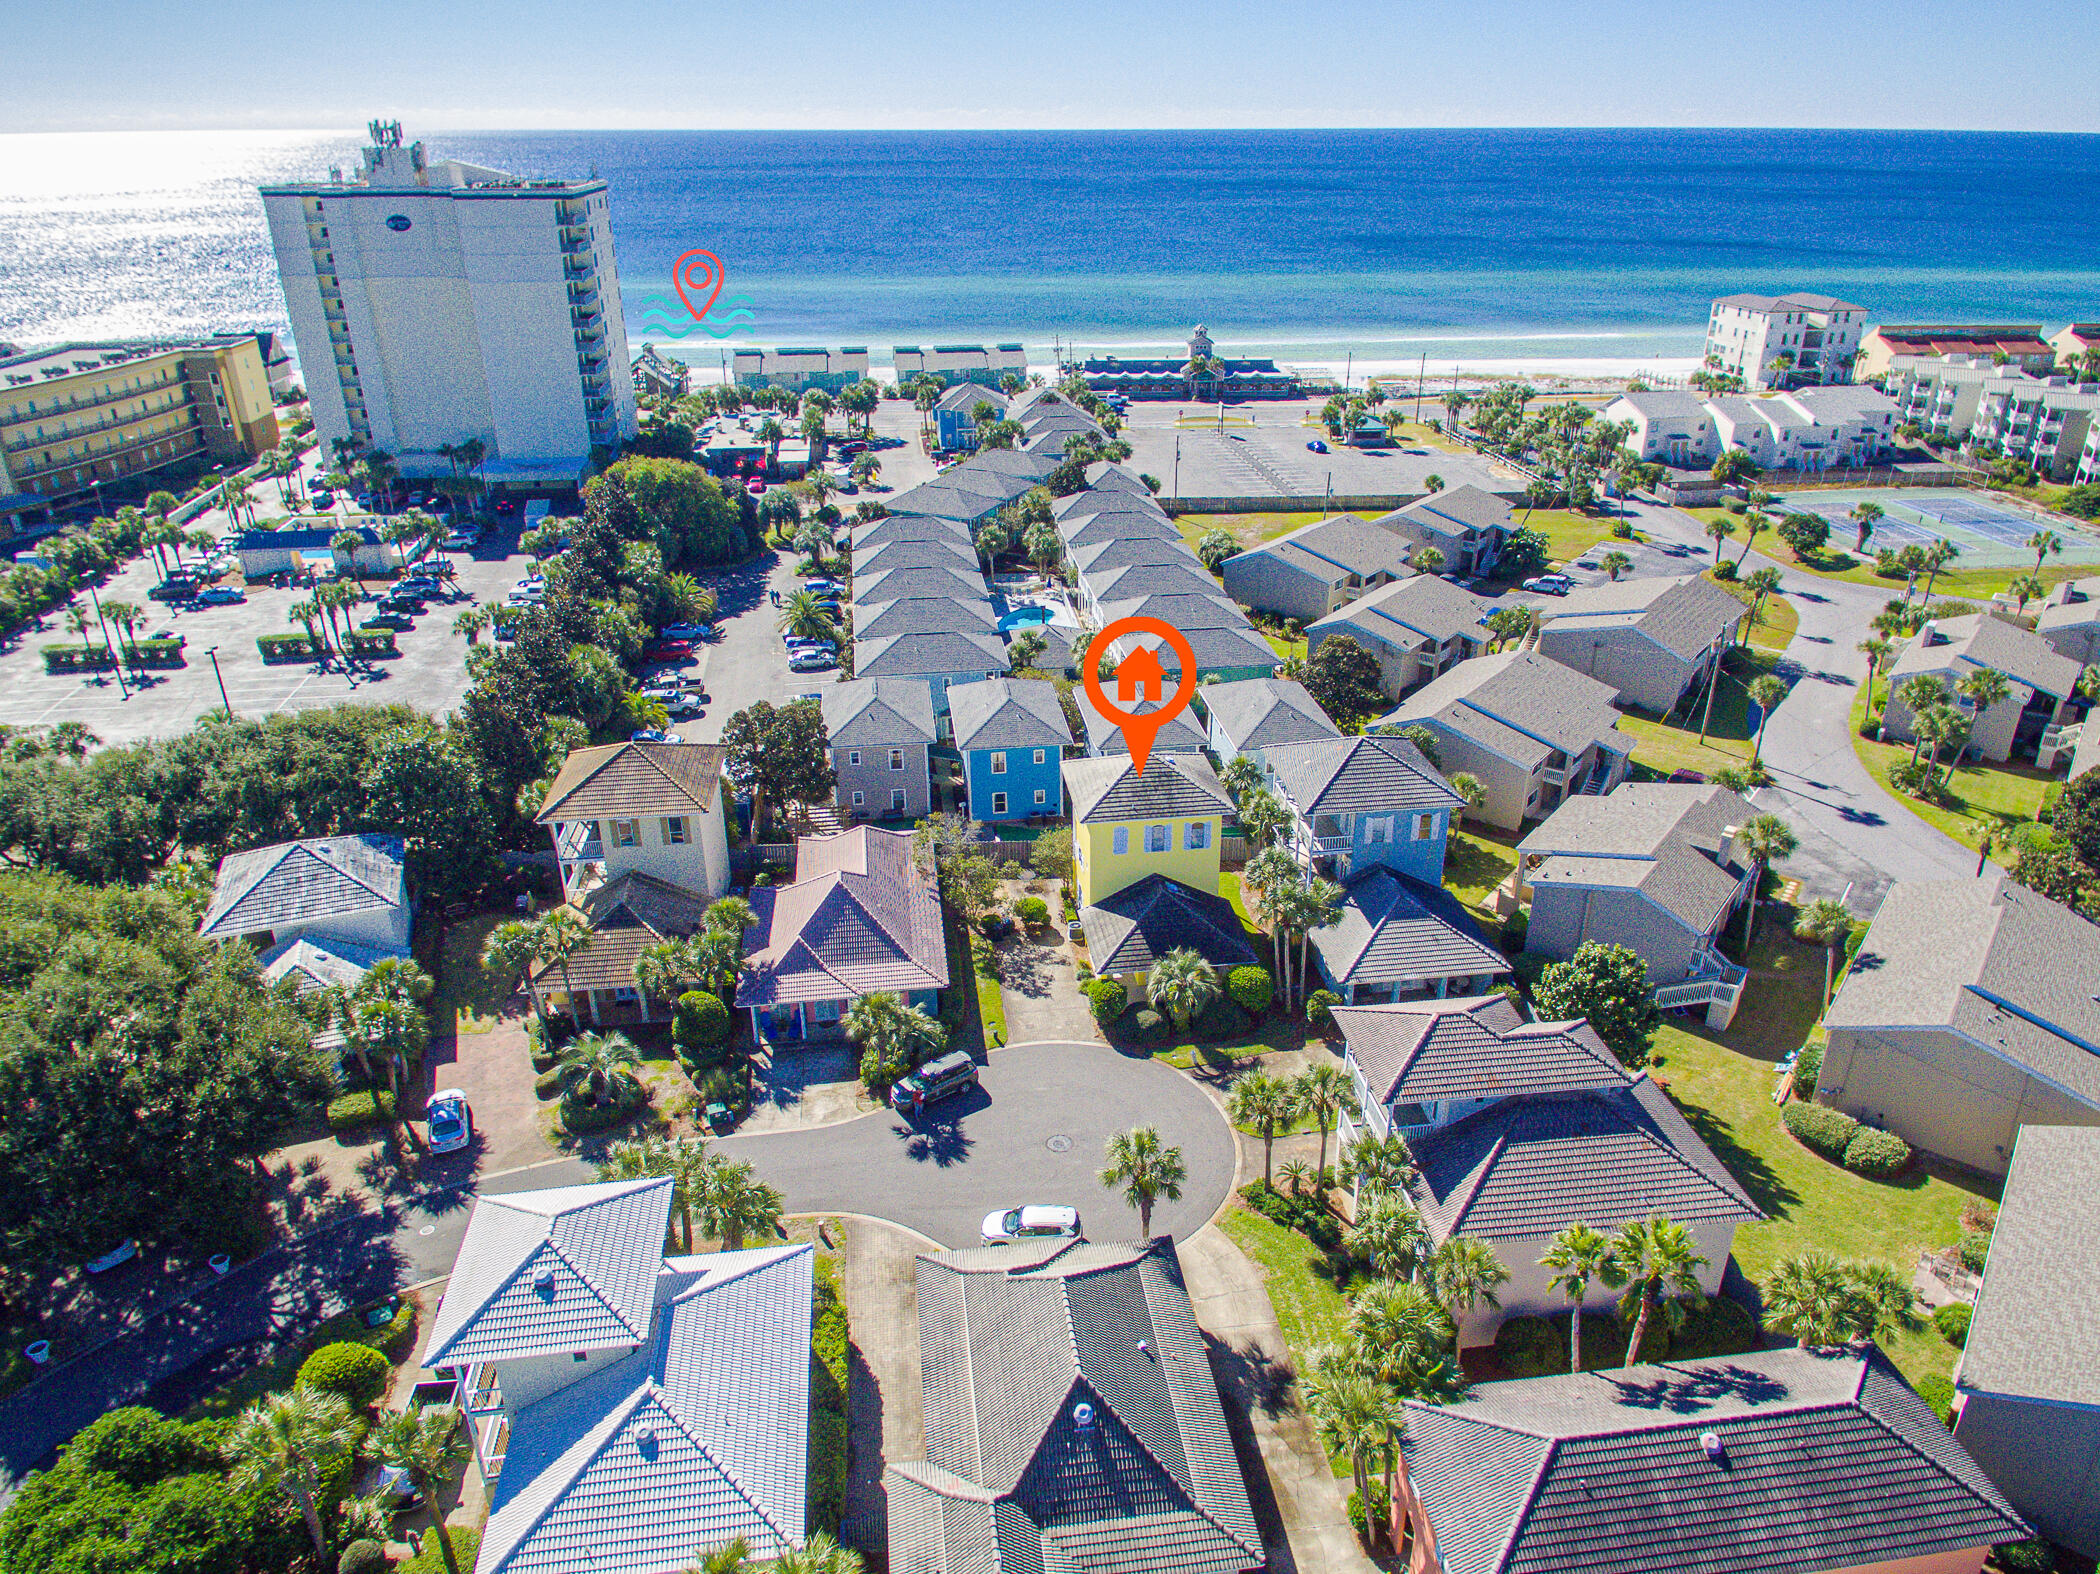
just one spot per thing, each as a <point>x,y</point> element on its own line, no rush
<point>116,662</point>
<point>215,672</point>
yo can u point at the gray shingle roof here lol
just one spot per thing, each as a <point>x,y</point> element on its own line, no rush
<point>1262,713</point>
<point>861,917</point>
<point>1519,694</point>
<point>302,882</point>
<point>1110,789</point>
<point>1684,616</point>
<point>1989,959</point>
<point>1414,1051</point>
<point>878,713</point>
<point>1141,923</point>
<point>1096,560</point>
<point>1525,1166</point>
<point>1980,640</point>
<point>943,550</point>
<point>1008,713</point>
<point>1420,608</point>
<point>1118,525</point>
<point>1214,646</point>
<point>1100,500</point>
<point>698,1437</point>
<point>914,655</point>
<point>631,778</point>
<point>1392,928</point>
<point>894,528</point>
<point>1359,776</point>
<point>937,613</point>
<point>1211,610</point>
<point>1013,1341</point>
<point>1454,511</point>
<point>1180,735</point>
<point>1668,841</point>
<point>966,397</point>
<point>550,1272</point>
<point>1828,1461</point>
<point>2034,1333</point>
<point>321,962</point>
<point>1337,547</point>
<point>875,588</point>
<point>1177,576</point>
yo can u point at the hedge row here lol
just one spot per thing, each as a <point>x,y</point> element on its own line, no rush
<point>285,647</point>
<point>1864,1150</point>
<point>1537,1346</point>
<point>74,658</point>
<point>365,1107</point>
<point>830,1338</point>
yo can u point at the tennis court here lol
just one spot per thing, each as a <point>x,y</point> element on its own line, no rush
<point>1991,532</point>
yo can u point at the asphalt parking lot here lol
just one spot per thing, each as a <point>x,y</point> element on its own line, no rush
<point>428,672</point>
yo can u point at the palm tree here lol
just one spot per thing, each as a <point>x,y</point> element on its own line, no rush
<point>1766,691</point>
<point>1463,1273</point>
<point>2046,543</point>
<point>306,614</point>
<point>1315,905</point>
<point>1262,1103</point>
<point>1271,875</point>
<point>1937,725</point>
<point>732,1557</point>
<point>561,935</point>
<point>661,970</point>
<point>511,951</point>
<point>1147,1170</point>
<point>642,1158</point>
<point>1942,552</point>
<point>2026,587</point>
<point>79,622</point>
<point>1824,1301</point>
<point>1984,687</point>
<point>691,1172</point>
<point>427,1442</point>
<point>818,1555</point>
<point>1828,923</point>
<point>125,615</point>
<point>1615,564</point>
<point>1864,518</point>
<point>1877,650</point>
<point>1400,1335</point>
<point>1428,560</point>
<point>805,617</point>
<point>1263,817</point>
<point>1184,983</point>
<point>1391,1237</point>
<point>1356,1415</point>
<point>1471,788</point>
<point>294,1442</point>
<point>1763,840</point>
<point>1720,528</point>
<point>1323,1091</point>
<point>1239,776</point>
<point>1578,1255</point>
<point>603,1063</point>
<point>734,1203</point>
<point>471,621</point>
<point>1383,1166</point>
<point>1655,1254</point>
<point>1920,693</point>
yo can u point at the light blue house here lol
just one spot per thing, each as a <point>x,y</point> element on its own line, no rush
<point>955,422</point>
<point>1011,734</point>
<point>1361,802</point>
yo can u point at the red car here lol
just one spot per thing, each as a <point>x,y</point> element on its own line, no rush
<point>669,650</point>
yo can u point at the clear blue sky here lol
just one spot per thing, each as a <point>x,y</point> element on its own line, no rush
<point>521,64</point>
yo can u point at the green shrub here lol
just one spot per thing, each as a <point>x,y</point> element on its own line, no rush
<point>136,1444</point>
<point>1726,570</point>
<point>371,642</point>
<point>1820,1128</point>
<point>1974,1249</point>
<point>1877,1154</point>
<point>1032,910</point>
<point>366,1107</point>
<point>1952,1320</point>
<point>1622,530</point>
<point>357,1372</point>
<point>1735,505</point>
<point>547,1085</point>
<point>1938,1392</point>
<point>1319,1008</point>
<point>1305,1214</point>
<point>1106,998</point>
<point>284,647</point>
<point>1808,1066</point>
<point>579,1118</point>
<point>701,1022</point>
<point>1363,1522</point>
<point>1717,1326</point>
<point>1537,1346</point>
<point>1531,1346</point>
<point>830,1340</point>
<point>1152,1027</point>
<point>361,1557</point>
<point>2023,1557</point>
<point>1221,1019</point>
<point>75,658</point>
<point>1251,989</point>
<point>157,653</point>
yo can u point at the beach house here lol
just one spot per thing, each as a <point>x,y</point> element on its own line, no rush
<point>1531,730</point>
<point>1653,641</point>
<point>976,489</point>
<point>1128,932</point>
<point>1012,735</point>
<point>1257,714</point>
<point>1464,523</point>
<point>2069,620</point>
<point>348,889</point>
<point>1126,824</point>
<point>1670,427</point>
<point>598,1374</point>
<point>1224,643</point>
<point>1418,628</point>
<point>881,732</point>
<point>1397,938</point>
<point>641,808</point>
<point>1104,734</point>
<point>1316,568</point>
<point>1784,341</point>
<point>955,414</point>
<point>2020,344</point>
<point>1362,801</point>
<point>2042,684</point>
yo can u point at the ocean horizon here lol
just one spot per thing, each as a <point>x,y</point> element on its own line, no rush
<point>1591,252</point>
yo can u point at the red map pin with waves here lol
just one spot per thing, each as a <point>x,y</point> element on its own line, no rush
<point>1136,672</point>
<point>698,272</point>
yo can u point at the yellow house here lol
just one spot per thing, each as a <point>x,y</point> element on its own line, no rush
<point>1126,826</point>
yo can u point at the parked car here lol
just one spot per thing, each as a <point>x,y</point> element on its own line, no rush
<point>1026,1223</point>
<point>686,631</point>
<point>221,596</point>
<point>1589,563</point>
<point>451,1120</point>
<point>942,1077</point>
<point>174,590</point>
<point>755,487</point>
<point>419,584</point>
<point>668,650</point>
<point>798,643</point>
<point>1317,446</point>
<point>1549,584</point>
<point>824,587</point>
<point>1688,778</point>
<point>386,617</point>
<point>681,704</point>
<point>813,694</point>
<point>812,661</point>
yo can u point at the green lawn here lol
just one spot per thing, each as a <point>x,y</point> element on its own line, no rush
<point>991,1010</point>
<point>1777,620</point>
<point>1977,794</point>
<point>431,1560</point>
<point>1477,861</point>
<point>1725,1090</point>
<point>467,1000</point>
<point>1249,530</point>
<point>1569,533</point>
<point>1286,649</point>
<point>1663,747</point>
<point>1309,1309</point>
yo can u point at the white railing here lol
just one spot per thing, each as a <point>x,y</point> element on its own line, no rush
<point>1720,991</point>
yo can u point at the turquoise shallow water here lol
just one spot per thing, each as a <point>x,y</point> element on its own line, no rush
<point>1481,245</point>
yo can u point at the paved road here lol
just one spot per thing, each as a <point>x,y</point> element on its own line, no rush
<point>1855,837</point>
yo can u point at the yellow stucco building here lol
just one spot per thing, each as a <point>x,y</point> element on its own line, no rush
<point>1126,826</point>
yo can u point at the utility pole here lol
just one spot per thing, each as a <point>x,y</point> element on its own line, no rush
<point>1421,372</point>
<point>1348,371</point>
<point>1713,681</point>
<point>1177,467</point>
<point>215,672</point>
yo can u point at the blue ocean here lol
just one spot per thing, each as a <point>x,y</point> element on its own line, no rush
<point>1574,248</point>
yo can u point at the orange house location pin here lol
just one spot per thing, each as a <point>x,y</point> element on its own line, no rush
<point>1140,676</point>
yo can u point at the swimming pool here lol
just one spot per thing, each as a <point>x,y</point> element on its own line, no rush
<point>1024,617</point>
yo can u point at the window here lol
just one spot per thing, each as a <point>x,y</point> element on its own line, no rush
<point>1041,797</point>
<point>1425,827</point>
<point>1377,829</point>
<point>896,759</point>
<point>853,757</point>
<point>823,1011</point>
<point>1158,838</point>
<point>998,762</point>
<point>625,834</point>
<point>896,798</point>
<point>998,803</point>
<point>1122,839</point>
<point>859,799</point>
<point>1039,756</point>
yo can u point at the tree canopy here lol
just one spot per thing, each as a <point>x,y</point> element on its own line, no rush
<point>1342,678</point>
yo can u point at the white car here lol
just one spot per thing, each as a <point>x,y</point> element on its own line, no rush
<point>1002,1227</point>
<point>1549,585</point>
<point>451,1120</point>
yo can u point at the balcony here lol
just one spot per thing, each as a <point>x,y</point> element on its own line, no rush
<point>41,409</point>
<point>21,445</point>
<point>184,438</point>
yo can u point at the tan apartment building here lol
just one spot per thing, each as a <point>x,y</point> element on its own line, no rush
<point>1784,341</point>
<point>2021,344</point>
<point>84,414</point>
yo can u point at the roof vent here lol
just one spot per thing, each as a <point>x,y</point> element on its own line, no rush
<point>1711,1443</point>
<point>1083,1416</point>
<point>543,1281</point>
<point>646,1437</point>
<point>1145,1348</point>
<point>1932,632</point>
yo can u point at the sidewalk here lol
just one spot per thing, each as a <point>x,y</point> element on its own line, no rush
<point>887,1404</point>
